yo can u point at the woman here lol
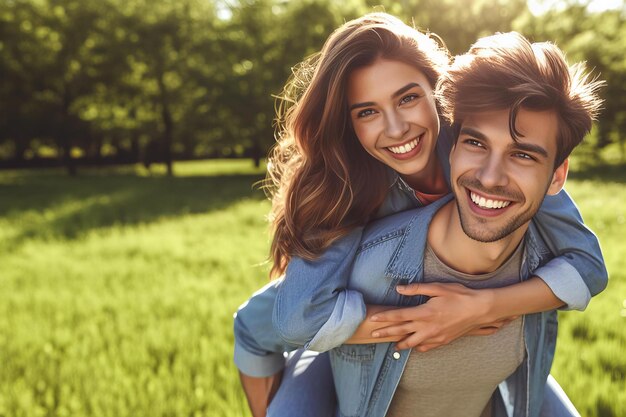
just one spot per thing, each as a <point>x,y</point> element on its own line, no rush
<point>328,186</point>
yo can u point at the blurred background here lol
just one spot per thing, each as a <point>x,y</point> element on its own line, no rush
<point>131,134</point>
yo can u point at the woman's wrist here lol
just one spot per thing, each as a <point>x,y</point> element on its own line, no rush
<point>488,306</point>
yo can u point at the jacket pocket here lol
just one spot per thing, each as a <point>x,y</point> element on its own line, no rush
<point>352,367</point>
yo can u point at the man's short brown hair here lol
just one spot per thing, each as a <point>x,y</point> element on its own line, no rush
<point>507,71</point>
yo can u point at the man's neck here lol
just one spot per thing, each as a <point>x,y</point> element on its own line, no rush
<point>457,250</point>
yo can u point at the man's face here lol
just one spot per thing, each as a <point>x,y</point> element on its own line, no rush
<point>500,183</point>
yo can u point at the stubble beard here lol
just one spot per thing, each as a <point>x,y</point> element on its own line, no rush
<point>477,228</point>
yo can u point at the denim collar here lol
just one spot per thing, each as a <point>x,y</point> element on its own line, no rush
<point>403,265</point>
<point>407,261</point>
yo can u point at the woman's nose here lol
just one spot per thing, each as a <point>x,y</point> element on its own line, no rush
<point>395,126</point>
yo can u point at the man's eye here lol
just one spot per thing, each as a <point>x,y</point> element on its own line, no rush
<point>409,98</point>
<point>474,142</point>
<point>365,113</point>
<point>523,155</point>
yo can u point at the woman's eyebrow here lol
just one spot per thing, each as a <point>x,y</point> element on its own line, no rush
<point>405,89</point>
<point>365,104</point>
<point>394,95</point>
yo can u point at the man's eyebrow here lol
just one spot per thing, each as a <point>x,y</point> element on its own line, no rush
<point>405,89</point>
<point>529,147</point>
<point>472,132</point>
<point>519,146</point>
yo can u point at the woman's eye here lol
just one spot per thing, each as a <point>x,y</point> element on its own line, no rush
<point>409,98</point>
<point>365,113</point>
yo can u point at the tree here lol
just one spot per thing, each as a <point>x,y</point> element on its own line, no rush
<point>597,38</point>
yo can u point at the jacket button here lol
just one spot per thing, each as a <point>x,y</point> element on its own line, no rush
<point>396,355</point>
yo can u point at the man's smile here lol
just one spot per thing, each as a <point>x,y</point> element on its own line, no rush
<point>488,203</point>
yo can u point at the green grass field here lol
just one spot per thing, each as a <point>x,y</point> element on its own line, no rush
<point>117,290</point>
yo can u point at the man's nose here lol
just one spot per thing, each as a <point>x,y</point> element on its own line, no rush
<point>492,172</point>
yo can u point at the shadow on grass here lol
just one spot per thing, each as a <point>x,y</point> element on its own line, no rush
<point>49,203</point>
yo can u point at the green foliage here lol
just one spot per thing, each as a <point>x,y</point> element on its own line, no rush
<point>598,39</point>
<point>459,25</point>
<point>117,290</point>
<point>162,79</point>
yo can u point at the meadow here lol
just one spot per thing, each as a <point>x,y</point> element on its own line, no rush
<point>117,290</point>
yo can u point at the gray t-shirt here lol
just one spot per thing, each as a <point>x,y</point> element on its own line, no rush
<point>460,378</point>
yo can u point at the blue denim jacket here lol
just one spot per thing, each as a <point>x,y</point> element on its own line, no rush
<point>391,253</point>
<point>314,307</point>
<point>314,303</point>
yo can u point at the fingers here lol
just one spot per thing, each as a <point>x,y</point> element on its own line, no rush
<point>431,289</point>
<point>410,341</point>
<point>423,343</point>
<point>400,314</point>
<point>395,330</point>
<point>426,347</point>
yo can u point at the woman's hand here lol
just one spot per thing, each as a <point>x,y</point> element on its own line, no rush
<point>452,311</point>
<point>260,391</point>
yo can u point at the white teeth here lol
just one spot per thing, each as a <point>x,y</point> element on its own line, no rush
<point>406,147</point>
<point>488,203</point>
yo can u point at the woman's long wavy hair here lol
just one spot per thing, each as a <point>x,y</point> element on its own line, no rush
<point>321,181</point>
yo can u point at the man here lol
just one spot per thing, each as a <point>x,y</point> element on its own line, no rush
<point>520,111</point>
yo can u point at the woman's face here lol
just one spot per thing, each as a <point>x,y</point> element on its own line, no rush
<point>393,113</point>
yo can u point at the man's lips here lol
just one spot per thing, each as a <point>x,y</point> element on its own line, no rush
<point>485,205</point>
<point>487,202</point>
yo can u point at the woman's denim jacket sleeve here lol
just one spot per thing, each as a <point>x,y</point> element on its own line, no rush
<point>577,272</point>
<point>258,348</point>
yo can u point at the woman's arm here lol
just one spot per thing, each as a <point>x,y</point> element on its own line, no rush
<point>577,272</point>
<point>260,391</point>
<point>259,349</point>
<point>569,281</point>
<point>454,310</point>
<point>314,308</point>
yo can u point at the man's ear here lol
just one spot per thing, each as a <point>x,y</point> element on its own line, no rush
<point>559,178</point>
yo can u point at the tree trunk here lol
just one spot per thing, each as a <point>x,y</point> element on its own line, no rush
<point>167,139</point>
<point>20,146</point>
<point>168,125</point>
<point>135,149</point>
<point>63,133</point>
<point>256,153</point>
<point>65,145</point>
